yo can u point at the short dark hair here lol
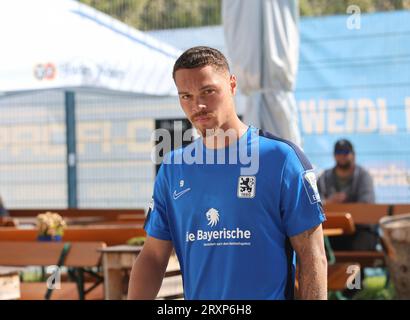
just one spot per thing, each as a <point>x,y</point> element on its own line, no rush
<point>201,56</point>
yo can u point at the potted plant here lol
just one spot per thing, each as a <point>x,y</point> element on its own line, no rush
<point>50,226</point>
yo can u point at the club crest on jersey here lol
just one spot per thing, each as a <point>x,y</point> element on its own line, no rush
<point>246,186</point>
<point>309,181</point>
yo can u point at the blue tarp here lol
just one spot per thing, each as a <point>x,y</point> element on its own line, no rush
<point>355,83</point>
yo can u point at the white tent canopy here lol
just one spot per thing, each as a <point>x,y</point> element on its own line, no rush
<point>263,46</point>
<point>65,44</point>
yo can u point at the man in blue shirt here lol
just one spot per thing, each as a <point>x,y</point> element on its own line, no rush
<point>235,204</point>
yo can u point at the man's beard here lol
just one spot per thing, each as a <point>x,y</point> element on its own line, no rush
<point>345,166</point>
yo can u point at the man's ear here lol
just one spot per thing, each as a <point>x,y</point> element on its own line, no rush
<point>233,84</point>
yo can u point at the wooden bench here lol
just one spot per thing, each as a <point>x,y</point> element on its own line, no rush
<point>111,235</point>
<point>401,209</point>
<point>118,262</point>
<point>78,217</point>
<point>362,214</point>
<point>7,222</point>
<point>68,291</point>
<point>364,258</point>
<point>340,220</point>
<point>106,214</point>
<point>124,220</point>
<point>79,257</point>
<point>338,272</point>
<point>339,275</point>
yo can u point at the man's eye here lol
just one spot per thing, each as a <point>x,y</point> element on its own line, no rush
<point>209,91</point>
<point>185,97</point>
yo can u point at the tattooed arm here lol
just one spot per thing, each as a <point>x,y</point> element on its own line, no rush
<point>312,264</point>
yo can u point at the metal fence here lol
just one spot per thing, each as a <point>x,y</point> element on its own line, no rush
<point>113,166</point>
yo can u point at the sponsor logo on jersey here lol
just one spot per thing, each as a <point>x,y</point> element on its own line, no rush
<point>176,194</point>
<point>221,237</point>
<point>213,217</point>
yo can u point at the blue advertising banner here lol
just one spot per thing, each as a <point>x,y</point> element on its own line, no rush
<point>354,82</point>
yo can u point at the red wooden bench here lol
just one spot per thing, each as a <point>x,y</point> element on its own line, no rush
<point>81,257</point>
<point>110,234</point>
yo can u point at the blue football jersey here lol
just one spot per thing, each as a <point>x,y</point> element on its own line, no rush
<point>230,227</point>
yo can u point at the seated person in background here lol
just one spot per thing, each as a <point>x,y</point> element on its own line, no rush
<point>3,211</point>
<point>347,181</point>
<point>344,183</point>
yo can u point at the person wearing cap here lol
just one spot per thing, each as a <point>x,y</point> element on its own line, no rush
<point>346,181</point>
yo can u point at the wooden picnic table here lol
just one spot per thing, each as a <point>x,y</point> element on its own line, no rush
<point>69,220</point>
<point>117,263</point>
<point>110,234</point>
<point>10,283</point>
<point>331,232</point>
<point>80,257</point>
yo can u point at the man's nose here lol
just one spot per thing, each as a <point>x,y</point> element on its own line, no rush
<point>199,105</point>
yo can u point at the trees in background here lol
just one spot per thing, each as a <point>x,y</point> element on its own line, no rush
<point>166,14</point>
<point>161,14</point>
<point>330,7</point>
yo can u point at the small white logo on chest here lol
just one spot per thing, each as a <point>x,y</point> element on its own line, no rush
<point>212,215</point>
<point>177,195</point>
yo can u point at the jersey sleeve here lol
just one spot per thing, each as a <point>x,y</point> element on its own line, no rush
<point>301,207</point>
<point>156,224</point>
